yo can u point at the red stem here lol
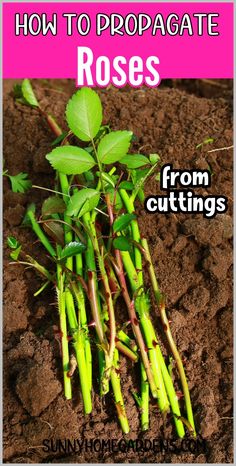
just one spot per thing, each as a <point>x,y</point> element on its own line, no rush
<point>135,323</point>
<point>131,309</point>
<point>94,305</point>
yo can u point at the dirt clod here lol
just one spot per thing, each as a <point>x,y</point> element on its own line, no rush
<point>37,387</point>
<point>14,215</point>
<point>196,300</point>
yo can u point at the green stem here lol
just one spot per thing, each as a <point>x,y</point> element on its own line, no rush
<point>151,271</point>
<point>42,237</point>
<point>78,332</point>
<point>126,351</point>
<point>147,327</point>
<point>116,386</point>
<point>63,328</point>
<point>93,283</point>
<point>142,306</point>
<point>155,352</point>
<point>158,359</point>
<point>127,340</point>
<point>144,405</point>
<point>135,324</point>
<point>84,378</point>
<point>136,235</point>
<point>99,165</point>
<point>96,308</point>
<point>108,294</point>
<point>78,342</point>
<point>82,319</point>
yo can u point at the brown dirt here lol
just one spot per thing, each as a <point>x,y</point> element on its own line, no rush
<point>193,259</point>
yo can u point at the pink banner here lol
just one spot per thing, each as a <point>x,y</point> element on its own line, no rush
<point>189,40</point>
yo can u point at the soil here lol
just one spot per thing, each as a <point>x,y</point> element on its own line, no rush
<point>193,260</point>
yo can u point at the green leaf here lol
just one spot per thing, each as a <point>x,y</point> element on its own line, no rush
<point>83,201</point>
<point>122,222</point>
<point>71,249</point>
<point>141,178</point>
<point>154,158</point>
<point>20,182</point>
<point>89,149</point>
<point>15,254</point>
<point>28,93</point>
<point>70,160</point>
<point>12,242</point>
<point>15,245</point>
<point>84,114</point>
<point>89,176</point>
<point>59,139</point>
<point>134,160</point>
<point>114,146</point>
<point>55,231</point>
<point>128,185</point>
<point>122,244</point>
<point>206,141</point>
<point>53,205</point>
<point>138,175</point>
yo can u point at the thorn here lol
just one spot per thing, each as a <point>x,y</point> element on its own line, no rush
<point>58,335</point>
<point>117,371</point>
<point>90,274</point>
<point>113,286</point>
<point>116,339</point>
<point>146,349</point>
<point>154,343</point>
<point>73,365</point>
<point>135,321</point>
<point>92,324</point>
<point>69,338</point>
<point>179,395</point>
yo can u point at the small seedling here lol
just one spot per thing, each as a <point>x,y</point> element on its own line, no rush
<point>90,229</point>
<point>20,183</point>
